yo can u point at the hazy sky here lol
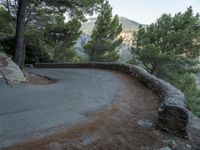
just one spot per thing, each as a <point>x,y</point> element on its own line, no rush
<point>147,11</point>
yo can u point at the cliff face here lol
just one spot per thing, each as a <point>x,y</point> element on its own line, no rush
<point>125,53</point>
<point>127,37</point>
<point>81,42</point>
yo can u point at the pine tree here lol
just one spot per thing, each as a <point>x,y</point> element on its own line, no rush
<point>170,49</point>
<point>20,31</point>
<point>6,26</point>
<point>35,14</point>
<point>62,37</point>
<point>105,38</point>
<point>171,42</point>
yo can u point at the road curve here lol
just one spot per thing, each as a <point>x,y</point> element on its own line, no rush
<point>37,110</point>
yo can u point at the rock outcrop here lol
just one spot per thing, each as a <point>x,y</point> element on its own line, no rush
<point>10,71</point>
<point>81,42</point>
<point>125,53</point>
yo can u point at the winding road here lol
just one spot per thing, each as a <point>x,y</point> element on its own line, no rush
<point>37,110</point>
<point>86,109</point>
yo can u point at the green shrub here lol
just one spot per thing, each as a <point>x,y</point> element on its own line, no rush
<point>34,53</point>
<point>187,83</point>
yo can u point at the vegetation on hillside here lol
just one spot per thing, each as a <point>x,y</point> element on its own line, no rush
<point>170,49</point>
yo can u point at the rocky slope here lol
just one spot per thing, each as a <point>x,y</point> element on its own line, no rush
<point>127,24</point>
<point>82,40</point>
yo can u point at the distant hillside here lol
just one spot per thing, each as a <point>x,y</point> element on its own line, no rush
<point>127,24</point>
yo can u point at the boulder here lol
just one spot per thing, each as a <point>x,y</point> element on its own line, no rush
<point>10,71</point>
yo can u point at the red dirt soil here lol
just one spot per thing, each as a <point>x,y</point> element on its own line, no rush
<point>38,80</point>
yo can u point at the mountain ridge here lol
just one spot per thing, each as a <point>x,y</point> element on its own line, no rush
<point>127,25</point>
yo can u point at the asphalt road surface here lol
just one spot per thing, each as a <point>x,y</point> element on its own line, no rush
<point>29,111</point>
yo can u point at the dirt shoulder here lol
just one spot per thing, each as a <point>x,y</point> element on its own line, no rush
<point>128,124</point>
<point>39,80</point>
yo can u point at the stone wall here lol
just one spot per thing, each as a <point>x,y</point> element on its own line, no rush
<point>172,114</point>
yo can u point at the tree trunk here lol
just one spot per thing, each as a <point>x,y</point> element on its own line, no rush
<point>24,52</point>
<point>55,55</point>
<point>20,29</point>
<point>91,59</point>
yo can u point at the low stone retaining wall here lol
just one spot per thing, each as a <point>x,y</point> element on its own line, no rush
<point>172,114</point>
